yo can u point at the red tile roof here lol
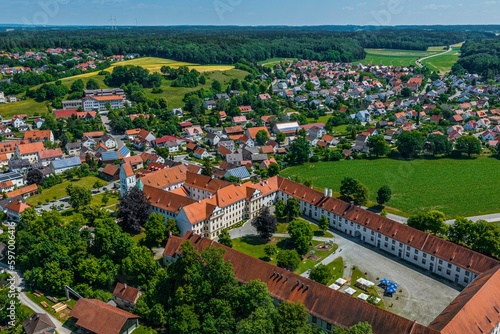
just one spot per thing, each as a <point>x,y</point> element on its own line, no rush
<point>99,317</point>
<point>125,292</point>
<point>476,309</point>
<point>327,304</point>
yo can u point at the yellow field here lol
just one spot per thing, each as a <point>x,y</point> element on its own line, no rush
<point>154,64</point>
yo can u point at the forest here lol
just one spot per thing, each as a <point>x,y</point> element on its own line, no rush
<point>481,57</point>
<point>214,45</point>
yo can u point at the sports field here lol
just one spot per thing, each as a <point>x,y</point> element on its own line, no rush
<point>389,57</point>
<point>456,187</point>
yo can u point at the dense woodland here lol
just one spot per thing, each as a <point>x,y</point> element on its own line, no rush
<point>481,57</point>
<point>222,46</point>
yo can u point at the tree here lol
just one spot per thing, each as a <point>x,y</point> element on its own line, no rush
<point>299,151</point>
<point>293,318</point>
<point>288,259</point>
<point>207,167</point>
<point>280,138</point>
<point>92,84</point>
<point>216,86</point>
<point>261,137</point>
<point>225,238</point>
<point>384,195</point>
<point>79,196</point>
<point>155,230</point>
<point>301,234</point>
<point>270,250</point>
<point>438,144</point>
<point>360,195</point>
<point>172,228</point>
<point>280,210</point>
<point>406,92</point>
<point>140,264</point>
<point>360,328</point>
<point>321,274</point>
<point>292,208</point>
<point>323,223</point>
<point>133,211</point>
<point>77,86</point>
<point>265,224</point>
<point>432,221</point>
<point>468,145</point>
<point>274,169</point>
<point>459,231</point>
<point>378,145</point>
<point>35,176</point>
<point>409,144</point>
<point>348,187</point>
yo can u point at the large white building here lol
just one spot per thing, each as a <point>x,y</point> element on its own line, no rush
<point>211,205</point>
<point>98,103</point>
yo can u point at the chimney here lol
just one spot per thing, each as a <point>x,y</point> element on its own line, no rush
<point>330,193</point>
<point>325,193</point>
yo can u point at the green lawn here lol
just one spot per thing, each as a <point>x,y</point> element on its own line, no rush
<point>59,190</point>
<point>389,57</point>
<point>254,246</point>
<point>28,106</point>
<point>456,187</point>
<point>67,215</point>
<point>337,267</point>
<point>443,63</point>
<point>50,310</point>
<point>356,274</point>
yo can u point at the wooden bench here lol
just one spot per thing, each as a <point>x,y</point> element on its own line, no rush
<point>44,304</point>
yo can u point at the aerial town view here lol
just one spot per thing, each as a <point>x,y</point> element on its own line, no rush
<point>249,167</point>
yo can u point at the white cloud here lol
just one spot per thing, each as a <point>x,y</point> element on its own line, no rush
<point>348,8</point>
<point>488,3</point>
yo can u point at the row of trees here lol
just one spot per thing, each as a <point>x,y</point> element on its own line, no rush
<point>480,236</point>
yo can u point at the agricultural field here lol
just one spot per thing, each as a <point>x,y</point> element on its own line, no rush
<point>389,57</point>
<point>445,62</point>
<point>455,187</point>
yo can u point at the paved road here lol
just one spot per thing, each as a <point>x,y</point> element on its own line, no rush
<point>32,305</point>
<point>419,61</point>
<point>118,137</point>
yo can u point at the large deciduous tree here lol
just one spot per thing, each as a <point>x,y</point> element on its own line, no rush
<point>431,221</point>
<point>265,224</point>
<point>321,274</point>
<point>410,144</point>
<point>288,259</point>
<point>299,151</point>
<point>134,210</point>
<point>469,145</point>
<point>378,145</point>
<point>292,208</point>
<point>156,230</point>
<point>225,238</point>
<point>384,195</point>
<point>301,234</point>
<point>78,196</point>
<point>35,176</point>
<point>261,137</point>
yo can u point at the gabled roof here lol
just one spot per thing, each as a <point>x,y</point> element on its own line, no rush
<point>99,317</point>
<point>475,310</point>
<point>166,200</point>
<point>31,148</point>
<point>21,191</point>
<point>17,206</point>
<point>252,132</point>
<point>110,169</point>
<point>50,154</point>
<point>165,177</point>
<point>332,306</point>
<point>127,293</point>
<point>38,323</point>
<point>67,162</point>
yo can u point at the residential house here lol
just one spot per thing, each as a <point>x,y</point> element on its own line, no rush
<point>194,133</point>
<point>209,104</point>
<point>238,172</point>
<point>488,135</point>
<point>95,316</point>
<point>229,144</point>
<point>484,123</point>
<point>39,135</point>
<point>110,172</point>
<point>108,141</point>
<point>46,156</point>
<point>19,165</point>
<point>14,210</point>
<point>19,123</point>
<point>252,132</point>
<point>201,153</point>
<point>125,296</point>
<point>264,97</point>
<point>234,132</point>
<point>178,112</point>
<point>288,128</point>
<point>24,192</point>
<point>29,151</point>
<point>212,139</point>
<point>39,323</point>
<point>363,116</point>
<point>73,149</point>
<point>239,120</point>
<point>62,165</point>
<point>245,109</point>
<point>135,161</point>
<point>39,122</point>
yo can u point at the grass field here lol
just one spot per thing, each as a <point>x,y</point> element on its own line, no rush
<point>254,246</point>
<point>443,63</point>
<point>389,57</point>
<point>59,190</point>
<point>283,228</point>
<point>456,187</point>
<point>271,62</point>
<point>29,107</point>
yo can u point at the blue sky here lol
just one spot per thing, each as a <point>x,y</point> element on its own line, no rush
<point>249,12</point>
